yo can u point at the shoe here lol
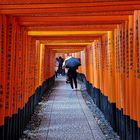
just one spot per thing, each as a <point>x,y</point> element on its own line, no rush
<point>67,82</point>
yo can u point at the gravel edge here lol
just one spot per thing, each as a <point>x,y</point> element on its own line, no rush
<point>99,116</point>
<point>35,121</point>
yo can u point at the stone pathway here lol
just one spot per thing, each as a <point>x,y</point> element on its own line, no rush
<point>67,117</point>
<point>64,116</point>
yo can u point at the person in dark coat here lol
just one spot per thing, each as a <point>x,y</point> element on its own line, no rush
<point>72,74</point>
<point>60,60</point>
<point>56,67</point>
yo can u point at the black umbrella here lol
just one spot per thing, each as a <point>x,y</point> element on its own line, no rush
<point>72,62</point>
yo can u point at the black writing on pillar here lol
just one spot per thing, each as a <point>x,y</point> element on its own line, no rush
<point>131,50</point>
<point>127,55</point>
<point>137,51</point>
<point>1,64</point>
<point>120,52</point>
<point>9,48</point>
<point>123,55</point>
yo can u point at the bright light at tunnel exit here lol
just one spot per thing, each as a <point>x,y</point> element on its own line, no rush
<point>61,33</point>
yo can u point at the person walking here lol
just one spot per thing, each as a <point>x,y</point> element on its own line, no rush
<point>66,69</point>
<point>72,75</point>
<point>56,67</point>
<point>72,64</point>
<point>60,60</point>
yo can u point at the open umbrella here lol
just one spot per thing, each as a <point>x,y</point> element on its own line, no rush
<point>72,62</point>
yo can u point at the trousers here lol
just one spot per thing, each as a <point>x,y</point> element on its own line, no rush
<point>72,74</point>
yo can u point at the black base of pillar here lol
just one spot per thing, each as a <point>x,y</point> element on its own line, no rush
<point>113,115</point>
<point>134,130</point>
<point>122,127</point>
<point>14,127</point>
<point>97,96</point>
<point>1,132</point>
<point>138,134</point>
<point>8,128</point>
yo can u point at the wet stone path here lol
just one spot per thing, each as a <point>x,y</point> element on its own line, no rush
<point>65,116</point>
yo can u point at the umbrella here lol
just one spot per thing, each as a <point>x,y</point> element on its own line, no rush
<point>72,62</point>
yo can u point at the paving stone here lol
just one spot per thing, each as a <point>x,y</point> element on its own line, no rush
<point>66,106</point>
<point>69,128</point>
<point>70,136</point>
<point>67,119</point>
<point>67,116</point>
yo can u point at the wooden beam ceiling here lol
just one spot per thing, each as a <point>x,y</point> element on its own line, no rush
<point>98,27</point>
<point>67,5</point>
<point>69,15</point>
<point>65,47</point>
<point>79,10</point>
<point>74,37</point>
<point>96,2</point>
<point>74,19</point>
<point>65,33</point>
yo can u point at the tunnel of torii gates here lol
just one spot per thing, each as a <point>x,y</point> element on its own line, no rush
<point>105,34</point>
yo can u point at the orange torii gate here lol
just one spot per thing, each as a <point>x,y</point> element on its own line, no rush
<point>104,34</point>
